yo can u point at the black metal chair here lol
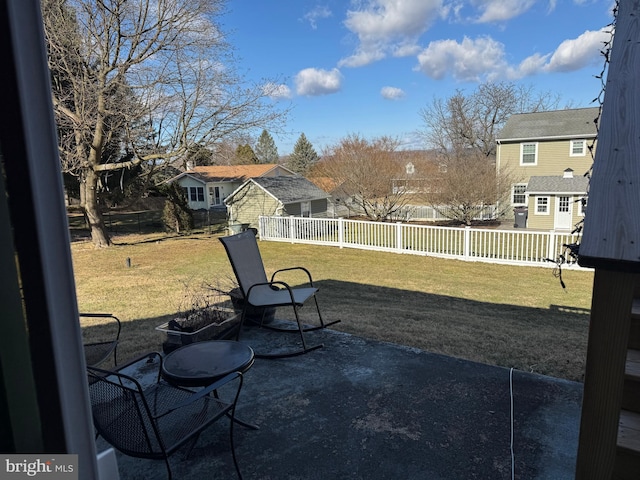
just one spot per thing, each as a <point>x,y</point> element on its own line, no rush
<point>103,339</point>
<point>155,421</point>
<point>258,292</point>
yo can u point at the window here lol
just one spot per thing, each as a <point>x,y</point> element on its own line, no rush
<point>528,153</point>
<point>410,168</point>
<point>305,209</point>
<point>196,194</point>
<point>519,197</point>
<point>542,205</point>
<point>578,148</point>
<point>564,205</point>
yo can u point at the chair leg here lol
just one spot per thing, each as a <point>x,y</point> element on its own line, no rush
<point>322,324</point>
<point>242,317</point>
<point>166,461</point>
<point>233,447</point>
<point>304,349</point>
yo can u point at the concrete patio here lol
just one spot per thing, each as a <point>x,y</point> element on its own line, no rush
<point>362,409</point>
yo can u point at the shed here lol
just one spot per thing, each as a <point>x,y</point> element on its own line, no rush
<point>280,196</point>
<point>555,202</point>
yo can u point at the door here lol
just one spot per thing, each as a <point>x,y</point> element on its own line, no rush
<point>563,220</point>
<point>214,196</point>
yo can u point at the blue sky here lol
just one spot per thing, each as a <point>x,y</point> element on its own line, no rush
<point>368,67</point>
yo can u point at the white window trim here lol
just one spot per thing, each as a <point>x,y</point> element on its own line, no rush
<point>548,212</point>
<point>535,162</point>
<point>513,188</point>
<point>194,191</point>
<point>584,148</point>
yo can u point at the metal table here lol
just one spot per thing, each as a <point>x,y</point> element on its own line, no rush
<point>201,363</point>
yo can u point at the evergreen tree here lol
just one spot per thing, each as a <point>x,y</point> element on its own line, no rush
<point>303,157</point>
<point>266,149</point>
<point>245,155</point>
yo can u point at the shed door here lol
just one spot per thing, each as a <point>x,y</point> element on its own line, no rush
<point>563,212</point>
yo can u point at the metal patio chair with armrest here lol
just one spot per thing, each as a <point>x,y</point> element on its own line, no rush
<point>99,347</point>
<point>155,421</point>
<point>246,261</point>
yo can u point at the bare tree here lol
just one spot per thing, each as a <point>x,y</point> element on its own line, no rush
<point>367,170</point>
<point>467,188</point>
<point>462,130</point>
<point>464,122</point>
<point>141,82</point>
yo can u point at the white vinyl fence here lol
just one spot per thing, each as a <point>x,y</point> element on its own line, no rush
<point>513,247</point>
<point>423,212</point>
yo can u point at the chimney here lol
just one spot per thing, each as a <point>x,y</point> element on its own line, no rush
<point>568,173</point>
<point>189,165</point>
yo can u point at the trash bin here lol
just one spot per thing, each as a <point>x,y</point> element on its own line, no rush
<point>235,228</point>
<point>520,217</point>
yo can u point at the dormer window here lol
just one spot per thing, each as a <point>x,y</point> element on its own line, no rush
<point>410,168</point>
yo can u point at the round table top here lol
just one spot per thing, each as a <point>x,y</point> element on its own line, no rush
<point>201,363</point>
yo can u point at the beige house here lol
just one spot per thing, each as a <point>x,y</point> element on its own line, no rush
<point>548,154</point>
<point>275,196</point>
<point>207,187</point>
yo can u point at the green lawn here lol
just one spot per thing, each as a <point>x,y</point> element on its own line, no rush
<point>510,316</point>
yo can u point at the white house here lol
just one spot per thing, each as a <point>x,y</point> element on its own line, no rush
<point>207,187</point>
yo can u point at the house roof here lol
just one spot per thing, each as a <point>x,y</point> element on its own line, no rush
<point>286,189</point>
<point>291,189</point>
<point>325,183</point>
<point>557,184</point>
<point>570,123</point>
<point>229,173</point>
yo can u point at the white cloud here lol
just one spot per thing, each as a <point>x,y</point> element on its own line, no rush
<point>318,13</point>
<point>501,10</point>
<point>276,91</point>
<point>579,52</point>
<point>392,93</point>
<point>314,81</point>
<point>471,60</point>
<point>529,66</point>
<point>384,26</point>
<point>484,58</point>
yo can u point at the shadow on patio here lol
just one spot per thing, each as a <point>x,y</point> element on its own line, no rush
<point>363,409</point>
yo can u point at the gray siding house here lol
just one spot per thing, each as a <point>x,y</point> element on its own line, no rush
<point>279,196</point>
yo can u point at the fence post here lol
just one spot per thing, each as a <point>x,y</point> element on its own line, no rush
<point>340,231</point>
<point>399,236</point>
<point>291,232</point>
<point>551,245</point>
<point>467,242</point>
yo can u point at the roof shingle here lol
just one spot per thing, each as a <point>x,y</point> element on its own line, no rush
<point>291,189</point>
<point>572,123</point>
<point>220,173</point>
<point>557,184</point>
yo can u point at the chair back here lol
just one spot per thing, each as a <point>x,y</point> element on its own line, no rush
<point>244,255</point>
<point>121,414</point>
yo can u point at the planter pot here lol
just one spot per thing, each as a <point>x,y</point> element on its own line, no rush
<point>238,227</point>
<point>254,314</point>
<point>176,336</point>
